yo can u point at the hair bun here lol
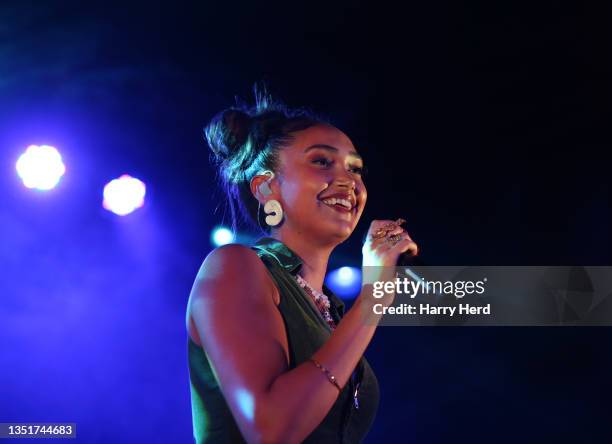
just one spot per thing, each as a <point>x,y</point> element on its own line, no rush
<point>264,124</point>
<point>227,132</point>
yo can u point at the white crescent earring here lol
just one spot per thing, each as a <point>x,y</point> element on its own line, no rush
<point>275,212</point>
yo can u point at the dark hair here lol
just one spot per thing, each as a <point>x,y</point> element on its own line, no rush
<point>245,140</point>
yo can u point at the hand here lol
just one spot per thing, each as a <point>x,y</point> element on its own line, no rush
<point>384,243</point>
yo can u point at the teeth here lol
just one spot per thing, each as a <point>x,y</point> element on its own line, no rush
<point>333,201</point>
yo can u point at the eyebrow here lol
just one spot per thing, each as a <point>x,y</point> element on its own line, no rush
<point>330,148</point>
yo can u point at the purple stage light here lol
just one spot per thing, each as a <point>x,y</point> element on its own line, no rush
<point>124,195</point>
<point>40,167</point>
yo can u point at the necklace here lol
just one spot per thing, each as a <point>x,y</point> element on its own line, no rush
<point>320,300</point>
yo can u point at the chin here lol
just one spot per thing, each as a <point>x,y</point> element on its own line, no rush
<point>326,234</point>
<point>341,233</point>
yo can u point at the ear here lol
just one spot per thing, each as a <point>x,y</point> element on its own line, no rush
<point>257,185</point>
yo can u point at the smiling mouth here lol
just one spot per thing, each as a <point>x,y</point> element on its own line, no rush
<point>340,205</point>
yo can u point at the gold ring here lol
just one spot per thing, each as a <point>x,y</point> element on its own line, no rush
<point>385,229</point>
<point>380,233</point>
<point>395,238</point>
<point>393,225</point>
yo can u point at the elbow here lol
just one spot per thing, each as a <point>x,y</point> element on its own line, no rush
<point>263,419</point>
<point>267,432</point>
<point>268,427</point>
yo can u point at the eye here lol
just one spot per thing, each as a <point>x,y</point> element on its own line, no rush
<point>322,161</point>
<point>326,163</point>
<point>361,170</point>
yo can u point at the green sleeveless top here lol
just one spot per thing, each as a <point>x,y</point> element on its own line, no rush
<point>349,419</point>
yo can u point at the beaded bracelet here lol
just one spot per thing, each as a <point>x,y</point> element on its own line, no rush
<point>325,370</point>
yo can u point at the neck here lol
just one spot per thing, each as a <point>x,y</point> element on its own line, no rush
<point>314,256</point>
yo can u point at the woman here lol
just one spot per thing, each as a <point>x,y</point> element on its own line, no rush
<point>273,357</point>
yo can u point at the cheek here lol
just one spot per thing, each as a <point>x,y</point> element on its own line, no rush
<point>363,195</point>
<point>299,193</point>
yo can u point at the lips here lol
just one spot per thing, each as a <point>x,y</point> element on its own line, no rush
<point>339,208</point>
<point>344,203</point>
<point>347,200</point>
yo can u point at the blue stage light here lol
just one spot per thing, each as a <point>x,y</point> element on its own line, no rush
<point>221,236</point>
<point>346,275</point>
<point>40,167</point>
<point>124,195</point>
<point>345,281</point>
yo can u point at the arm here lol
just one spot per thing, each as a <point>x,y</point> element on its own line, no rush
<point>232,304</point>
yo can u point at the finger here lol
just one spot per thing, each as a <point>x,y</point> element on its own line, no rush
<point>408,246</point>
<point>379,223</point>
<point>390,242</point>
<point>393,234</point>
<point>394,224</point>
<point>396,230</point>
<point>401,245</point>
<point>390,237</point>
<point>381,228</point>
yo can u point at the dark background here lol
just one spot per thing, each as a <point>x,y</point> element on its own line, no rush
<point>484,125</point>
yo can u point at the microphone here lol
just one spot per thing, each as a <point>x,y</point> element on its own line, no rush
<point>406,259</point>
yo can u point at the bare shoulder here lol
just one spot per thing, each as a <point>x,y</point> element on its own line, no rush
<point>234,265</point>
<point>231,275</point>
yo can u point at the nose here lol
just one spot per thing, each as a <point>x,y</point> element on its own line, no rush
<point>346,182</point>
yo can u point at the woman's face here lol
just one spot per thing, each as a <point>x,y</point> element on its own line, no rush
<point>320,184</point>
